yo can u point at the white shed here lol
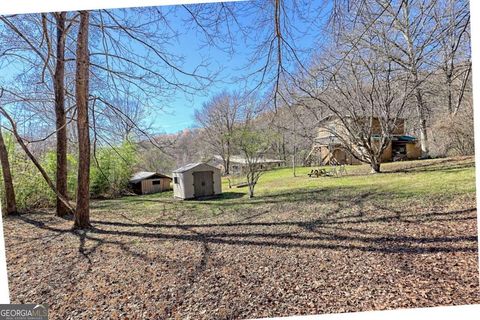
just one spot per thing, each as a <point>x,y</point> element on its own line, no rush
<point>196,180</point>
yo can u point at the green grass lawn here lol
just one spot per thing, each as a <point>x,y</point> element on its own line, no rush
<point>401,182</point>
<point>405,179</point>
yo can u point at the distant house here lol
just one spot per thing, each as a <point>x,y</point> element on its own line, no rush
<point>149,182</point>
<point>328,148</point>
<point>196,180</point>
<point>238,164</point>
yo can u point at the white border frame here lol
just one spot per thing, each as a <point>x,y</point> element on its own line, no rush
<point>439,313</point>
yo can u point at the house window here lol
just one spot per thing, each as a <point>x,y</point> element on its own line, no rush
<point>175,180</point>
<point>156,182</point>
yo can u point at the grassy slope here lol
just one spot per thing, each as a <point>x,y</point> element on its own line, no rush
<point>406,179</point>
<point>415,181</point>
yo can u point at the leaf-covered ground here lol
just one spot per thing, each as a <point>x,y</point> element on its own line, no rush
<point>400,239</point>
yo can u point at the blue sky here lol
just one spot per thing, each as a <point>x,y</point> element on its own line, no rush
<point>179,113</point>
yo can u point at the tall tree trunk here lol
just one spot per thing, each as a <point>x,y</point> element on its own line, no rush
<point>375,165</point>
<point>61,119</point>
<point>413,69</point>
<point>227,166</point>
<point>227,160</point>
<point>82,212</point>
<point>251,189</point>
<point>448,82</point>
<point>294,148</point>
<point>422,123</point>
<point>7,178</point>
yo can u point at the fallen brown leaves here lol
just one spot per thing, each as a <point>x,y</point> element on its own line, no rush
<point>270,259</point>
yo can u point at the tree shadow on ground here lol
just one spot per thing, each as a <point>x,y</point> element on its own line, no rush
<point>229,199</point>
<point>444,165</point>
<point>347,232</point>
<point>325,234</point>
<point>458,167</point>
<point>228,195</point>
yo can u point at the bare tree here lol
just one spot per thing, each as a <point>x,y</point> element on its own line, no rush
<point>296,125</point>
<point>411,37</point>
<point>61,117</point>
<point>454,17</point>
<point>82,212</point>
<point>40,45</point>
<point>113,66</point>
<point>22,142</point>
<point>218,117</point>
<point>254,142</point>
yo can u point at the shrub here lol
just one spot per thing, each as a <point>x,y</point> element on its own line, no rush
<point>109,176</point>
<point>111,169</point>
<point>31,190</point>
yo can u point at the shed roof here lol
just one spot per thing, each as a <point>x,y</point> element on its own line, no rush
<point>190,166</point>
<point>142,175</point>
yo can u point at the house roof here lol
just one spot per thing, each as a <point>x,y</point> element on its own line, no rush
<point>333,117</point>
<point>242,160</point>
<point>142,175</point>
<point>406,138</point>
<point>398,138</point>
<point>191,166</point>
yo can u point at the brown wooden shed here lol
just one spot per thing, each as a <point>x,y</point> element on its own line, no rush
<point>150,182</point>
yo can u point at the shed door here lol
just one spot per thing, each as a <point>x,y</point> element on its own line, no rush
<point>203,183</point>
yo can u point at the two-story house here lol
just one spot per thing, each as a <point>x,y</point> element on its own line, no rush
<point>329,148</point>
